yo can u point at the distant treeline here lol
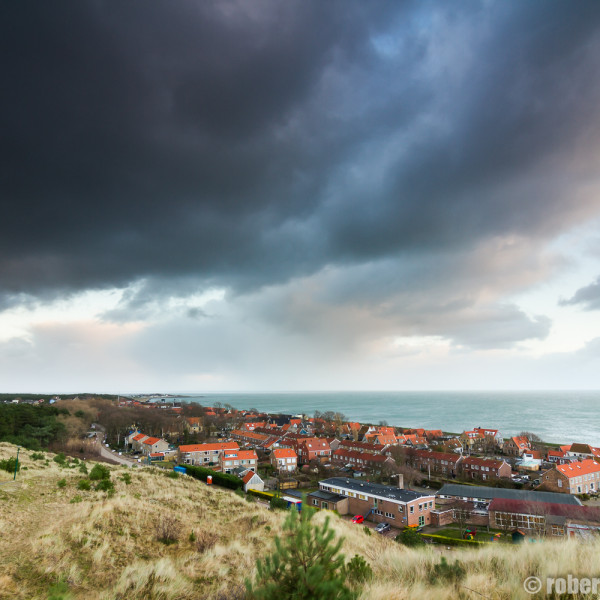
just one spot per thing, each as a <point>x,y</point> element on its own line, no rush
<point>33,427</point>
<point>4,397</point>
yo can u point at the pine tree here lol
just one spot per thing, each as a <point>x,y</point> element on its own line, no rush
<point>305,565</point>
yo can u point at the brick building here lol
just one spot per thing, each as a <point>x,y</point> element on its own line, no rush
<point>485,469</point>
<point>381,503</point>
<point>580,477</point>
<point>440,463</point>
<point>204,454</point>
<point>361,460</point>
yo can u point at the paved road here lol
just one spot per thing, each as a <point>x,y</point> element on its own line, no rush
<point>106,453</point>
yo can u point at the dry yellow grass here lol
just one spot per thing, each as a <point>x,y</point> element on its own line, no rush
<point>105,548</point>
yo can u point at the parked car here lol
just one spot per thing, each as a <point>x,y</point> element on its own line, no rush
<point>382,528</point>
<point>358,519</point>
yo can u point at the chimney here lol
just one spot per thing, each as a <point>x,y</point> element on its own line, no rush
<point>401,481</point>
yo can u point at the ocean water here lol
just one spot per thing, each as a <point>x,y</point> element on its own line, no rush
<point>561,417</point>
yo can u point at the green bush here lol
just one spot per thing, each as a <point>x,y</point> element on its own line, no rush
<point>367,530</point>
<point>105,485</point>
<point>173,475</point>
<point>447,573</point>
<point>358,570</point>
<point>83,468</point>
<point>126,477</point>
<point>37,456</point>
<point>9,465</point>
<point>84,484</point>
<point>62,483</point>
<point>99,472</point>
<point>60,458</point>
<point>278,503</point>
<point>409,537</point>
<point>76,499</point>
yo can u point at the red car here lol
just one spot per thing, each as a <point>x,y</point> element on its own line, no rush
<point>358,519</point>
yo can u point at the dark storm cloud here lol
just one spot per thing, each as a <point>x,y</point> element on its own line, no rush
<point>588,297</point>
<point>244,144</point>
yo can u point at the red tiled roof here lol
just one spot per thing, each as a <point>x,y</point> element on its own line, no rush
<point>242,454</point>
<point>364,456</point>
<point>284,453</point>
<point>151,441</point>
<point>248,476</point>
<point>575,469</point>
<point>139,436</point>
<point>482,462</point>
<point>449,456</point>
<point>209,447</point>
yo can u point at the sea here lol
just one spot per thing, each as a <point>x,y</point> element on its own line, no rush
<point>555,416</point>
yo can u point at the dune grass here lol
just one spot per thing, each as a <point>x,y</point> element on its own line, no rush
<point>89,544</point>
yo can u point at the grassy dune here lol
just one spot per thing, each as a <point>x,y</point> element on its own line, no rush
<point>67,543</point>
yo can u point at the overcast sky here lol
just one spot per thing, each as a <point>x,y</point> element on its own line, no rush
<point>265,195</point>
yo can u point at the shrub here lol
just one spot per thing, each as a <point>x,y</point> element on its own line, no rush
<point>447,573</point>
<point>105,485</point>
<point>205,540</point>
<point>83,468</point>
<point>173,474</point>
<point>167,530</point>
<point>37,456</point>
<point>60,458</point>
<point>76,499</point>
<point>358,570</point>
<point>99,472</point>
<point>126,477</point>
<point>278,503</point>
<point>192,537</point>
<point>10,464</point>
<point>409,537</point>
<point>62,483</point>
<point>367,530</point>
<point>84,484</point>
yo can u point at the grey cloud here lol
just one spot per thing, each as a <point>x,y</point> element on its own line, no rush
<point>588,297</point>
<point>244,145</point>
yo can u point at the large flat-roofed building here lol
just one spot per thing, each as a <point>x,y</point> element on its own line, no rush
<point>482,494</point>
<point>382,503</point>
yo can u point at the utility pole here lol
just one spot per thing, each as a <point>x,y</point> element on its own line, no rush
<point>16,463</point>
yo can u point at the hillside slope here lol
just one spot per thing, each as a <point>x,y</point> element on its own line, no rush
<point>85,544</point>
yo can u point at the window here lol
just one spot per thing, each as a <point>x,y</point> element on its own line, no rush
<point>390,515</point>
<point>559,482</point>
<point>401,508</point>
<point>421,521</point>
<point>412,510</point>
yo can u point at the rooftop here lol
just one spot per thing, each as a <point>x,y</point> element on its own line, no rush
<point>489,493</point>
<point>385,492</point>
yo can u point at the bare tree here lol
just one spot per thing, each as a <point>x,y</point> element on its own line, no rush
<point>462,513</point>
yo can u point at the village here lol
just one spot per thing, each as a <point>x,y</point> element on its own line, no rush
<point>471,485</point>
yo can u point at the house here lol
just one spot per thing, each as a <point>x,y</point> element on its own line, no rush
<point>440,463</point>
<point>284,459</point>
<point>230,459</point>
<point>382,503</point>
<point>360,446</point>
<point>580,477</point>
<point>194,424</point>
<point>515,446</point>
<point>547,518</point>
<point>581,451</point>
<point>452,445</point>
<point>557,457</point>
<point>152,445</point>
<point>307,448</point>
<point>204,454</point>
<point>484,468</point>
<point>252,481</point>
<point>361,460</point>
<point>250,438</point>
<point>328,501</point>
<point>253,425</point>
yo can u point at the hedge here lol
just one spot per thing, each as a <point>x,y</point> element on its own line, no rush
<point>449,541</point>
<point>223,479</point>
<point>264,495</point>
